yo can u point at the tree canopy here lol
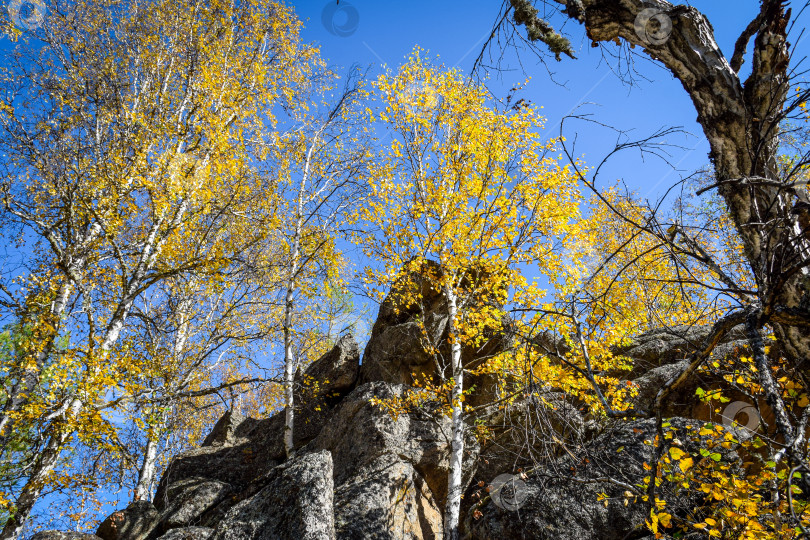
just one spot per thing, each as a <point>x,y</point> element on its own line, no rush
<point>194,202</point>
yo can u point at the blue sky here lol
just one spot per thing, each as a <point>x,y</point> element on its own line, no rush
<point>380,34</point>
<point>384,32</point>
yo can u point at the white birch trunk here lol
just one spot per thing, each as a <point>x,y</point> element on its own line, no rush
<point>289,360</point>
<point>41,469</point>
<point>295,258</point>
<point>146,476</point>
<point>454,478</point>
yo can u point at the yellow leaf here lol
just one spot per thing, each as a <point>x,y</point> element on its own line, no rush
<point>676,453</point>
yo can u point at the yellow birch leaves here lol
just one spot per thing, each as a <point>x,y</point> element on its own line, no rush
<point>469,184</point>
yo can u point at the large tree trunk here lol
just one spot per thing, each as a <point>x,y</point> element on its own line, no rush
<point>289,359</point>
<point>289,374</point>
<point>741,121</point>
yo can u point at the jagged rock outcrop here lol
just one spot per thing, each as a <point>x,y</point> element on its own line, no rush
<point>396,348</point>
<point>333,375</point>
<point>226,431</point>
<point>322,385</point>
<point>539,433</point>
<point>360,472</point>
<point>390,473</point>
<point>660,355</point>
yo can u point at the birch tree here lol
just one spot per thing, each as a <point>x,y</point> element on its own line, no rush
<point>189,342</point>
<point>128,133</point>
<point>467,197</point>
<point>320,162</point>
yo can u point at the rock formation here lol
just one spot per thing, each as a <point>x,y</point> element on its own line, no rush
<point>360,473</point>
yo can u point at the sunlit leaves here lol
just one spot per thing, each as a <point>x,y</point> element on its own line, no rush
<point>474,187</point>
<point>131,138</point>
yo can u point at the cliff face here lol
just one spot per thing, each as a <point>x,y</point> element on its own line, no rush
<point>359,473</point>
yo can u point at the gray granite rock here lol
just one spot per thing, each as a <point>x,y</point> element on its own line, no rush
<point>135,522</point>
<point>186,500</point>
<point>59,535</point>
<point>188,533</point>
<point>294,504</point>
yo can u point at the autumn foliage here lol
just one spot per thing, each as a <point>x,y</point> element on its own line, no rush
<point>189,194</point>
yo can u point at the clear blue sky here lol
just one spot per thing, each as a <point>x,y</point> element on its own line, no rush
<point>384,32</point>
<point>381,33</point>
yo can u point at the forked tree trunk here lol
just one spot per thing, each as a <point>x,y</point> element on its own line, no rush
<point>741,120</point>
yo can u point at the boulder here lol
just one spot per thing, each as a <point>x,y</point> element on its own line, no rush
<point>335,373</point>
<point>135,522</point>
<point>255,448</point>
<point>294,504</point>
<point>185,501</point>
<point>390,473</point>
<point>226,431</point>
